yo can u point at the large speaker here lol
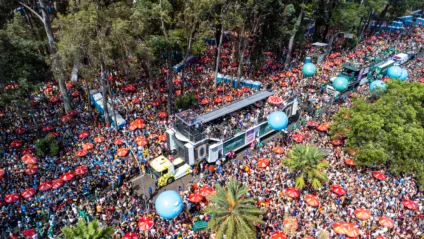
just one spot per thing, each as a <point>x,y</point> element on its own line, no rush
<point>201,152</point>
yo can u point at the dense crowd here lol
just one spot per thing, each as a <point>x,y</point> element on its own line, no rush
<point>103,159</point>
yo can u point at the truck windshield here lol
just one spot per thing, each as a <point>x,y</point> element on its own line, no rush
<point>155,173</point>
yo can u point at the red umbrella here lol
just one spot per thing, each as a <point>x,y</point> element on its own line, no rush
<point>204,101</point>
<point>275,100</point>
<point>312,200</point>
<point>278,235</point>
<point>141,141</point>
<point>291,225</point>
<point>122,152</point>
<point>131,235</point>
<point>30,160</point>
<point>178,92</point>
<point>75,94</point>
<point>136,101</point>
<point>228,98</point>
<point>205,191</point>
<point>83,135</point>
<point>162,115</point>
<point>339,190</point>
<point>245,89</point>
<point>54,99</point>
<point>312,124</point>
<point>162,138</point>
<point>26,157</point>
<point>81,153</point>
<point>145,223</point>
<point>194,197</point>
<point>27,151</point>
<point>155,103</point>
<point>57,183</point>
<point>340,227</point>
<point>69,85</point>
<point>217,100</point>
<point>80,170</point>
<point>352,230</point>
<point>177,81</point>
<point>379,175</point>
<point>88,146</point>
<point>66,118</point>
<point>31,170</point>
<point>11,198</point>
<point>118,141</point>
<point>278,150</point>
<point>263,163</point>
<point>1,172</point>
<point>350,162</point>
<point>44,186</point>
<point>20,130</point>
<point>219,88</point>
<point>362,213</point>
<point>16,143</point>
<point>29,232</point>
<point>72,113</point>
<point>292,192</point>
<point>29,192</point>
<point>410,204</point>
<point>67,176</point>
<point>336,142</point>
<point>323,127</point>
<point>298,138</point>
<point>99,139</point>
<point>386,222</point>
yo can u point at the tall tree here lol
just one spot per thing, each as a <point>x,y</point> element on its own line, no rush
<point>306,162</point>
<point>91,230</point>
<point>234,215</point>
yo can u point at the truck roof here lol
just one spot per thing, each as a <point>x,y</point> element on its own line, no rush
<point>160,163</point>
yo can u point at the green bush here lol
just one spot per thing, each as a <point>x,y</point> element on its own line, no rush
<point>47,146</point>
<point>185,101</point>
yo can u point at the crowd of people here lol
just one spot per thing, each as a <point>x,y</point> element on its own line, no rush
<point>88,179</point>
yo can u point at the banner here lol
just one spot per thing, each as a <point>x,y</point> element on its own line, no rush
<point>250,136</point>
<point>264,129</point>
<point>234,143</point>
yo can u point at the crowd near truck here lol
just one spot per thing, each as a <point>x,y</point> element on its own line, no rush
<point>165,171</point>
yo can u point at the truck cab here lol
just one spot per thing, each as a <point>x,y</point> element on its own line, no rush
<point>166,172</point>
<point>350,71</point>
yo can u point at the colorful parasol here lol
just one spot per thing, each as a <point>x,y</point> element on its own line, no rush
<point>44,186</point>
<point>263,163</point>
<point>88,146</point>
<point>292,192</point>
<point>298,138</point>
<point>122,152</point>
<point>80,170</point>
<point>194,197</point>
<point>278,150</point>
<point>67,176</point>
<point>145,223</point>
<point>410,204</point>
<point>57,183</point>
<point>29,192</point>
<point>386,222</point>
<point>339,190</point>
<point>81,153</point>
<point>312,200</point>
<point>362,213</point>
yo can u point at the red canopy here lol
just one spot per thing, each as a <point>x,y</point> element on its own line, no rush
<point>29,232</point>
<point>81,153</point>
<point>194,197</point>
<point>292,192</point>
<point>83,135</point>
<point>66,118</point>
<point>88,146</point>
<point>130,235</point>
<point>16,143</point>
<point>362,213</point>
<point>141,141</point>
<point>278,235</point>
<point>298,138</point>
<point>205,191</point>
<point>162,138</point>
<point>278,150</point>
<point>323,127</point>
<point>217,100</point>
<point>312,200</point>
<point>72,113</point>
<point>162,115</point>
<point>44,186</point>
<point>245,89</point>
<point>291,225</point>
<point>410,204</point>
<point>20,130</point>
<point>118,141</point>
<point>379,175</point>
<point>386,222</point>
<point>54,99</point>
<point>57,183</point>
<point>312,124</point>
<point>31,170</point>
<point>350,162</point>
<point>275,100</point>
<point>219,88</point>
<point>29,192</point>
<point>30,160</point>
<point>136,101</point>
<point>99,139</point>
<point>122,152</point>
<point>339,190</point>
<point>11,198</point>
<point>80,170</point>
<point>204,101</point>
<point>67,176</point>
<point>145,223</point>
<point>75,94</point>
<point>263,163</point>
<point>336,142</point>
<point>228,98</point>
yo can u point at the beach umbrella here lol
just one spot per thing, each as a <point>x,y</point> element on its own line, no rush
<point>352,230</point>
<point>228,98</point>
<point>162,115</point>
<point>11,198</point>
<point>67,176</point>
<point>80,170</point>
<point>204,101</point>
<point>219,88</point>
<point>29,233</point>
<point>44,186</point>
<point>194,197</point>
<point>142,141</point>
<point>263,163</point>
<point>88,146</point>
<point>290,224</point>
<point>340,227</point>
<point>410,204</point>
<point>311,200</point>
<point>278,150</point>
<point>57,183</point>
<point>122,152</point>
<point>118,141</point>
<point>81,153</point>
<point>275,100</point>
<point>26,157</point>
<point>145,223</point>
<point>323,127</point>
<point>99,139</point>
<point>131,235</point>
<point>205,191</point>
<point>72,113</point>
<point>30,160</point>
<point>298,138</point>
<point>362,213</point>
<point>27,151</point>
<point>1,172</point>
<point>336,142</point>
<point>66,118</point>
<point>386,222</point>
<point>136,101</point>
<point>29,192</point>
<point>245,89</point>
<point>292,192</point>
<point>278,235</point>
<point>313,124</point>
<point>75,94</point>
<point>83,135</point>
<point>379,175</point>
<point>31,170</point>
<point>20,130</point>
<point>16,143</point>
<point>339,190</point>
<point>162,138</point>
<point>54,99</point>
<point>217,100</point>
<point>350,162</point>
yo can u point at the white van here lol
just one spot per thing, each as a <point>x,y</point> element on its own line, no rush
<point>401,58</point>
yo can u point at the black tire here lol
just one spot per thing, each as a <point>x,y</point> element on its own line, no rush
<point>170,180</point>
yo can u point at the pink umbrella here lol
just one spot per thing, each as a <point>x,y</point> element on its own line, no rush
<point>292,192</point>
<point>20,130</point>
<point>11,198</point>
<point>16,143</point>
<point>80,170</point>
<point>57,183</point>
<point>27,193</point>
<point>83,135</point>
<point>410,204</point>
<point>130,235</point>
<point>339,190</point>
<point>145,223</point>
<point>31,170</point>
<point>67,176</point>
<point>44,186</point>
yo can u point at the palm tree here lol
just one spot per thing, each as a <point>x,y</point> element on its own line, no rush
<point>87,231</point>
<point>233,213</point>
<point>307,163</point>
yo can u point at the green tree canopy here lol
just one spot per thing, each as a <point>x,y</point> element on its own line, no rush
<point>307,163</point>
<point>234,215</point>
<point>388,132</point>
<point>87,231</point>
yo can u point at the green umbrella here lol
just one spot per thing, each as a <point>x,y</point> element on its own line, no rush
<point>200,226</point>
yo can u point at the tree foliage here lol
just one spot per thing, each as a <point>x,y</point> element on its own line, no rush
<point>234,215</point>
<point>91,230</point>
<point>47,146</point>
<point>307,162</point>
<point>185,101</point>
<point>388,132</point>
